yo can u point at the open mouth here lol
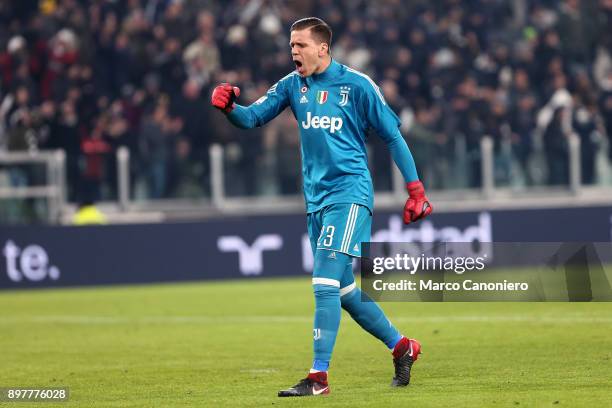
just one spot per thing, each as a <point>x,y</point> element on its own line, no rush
<point>299,67</point>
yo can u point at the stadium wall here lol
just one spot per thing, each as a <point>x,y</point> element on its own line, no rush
<point>250,247</point>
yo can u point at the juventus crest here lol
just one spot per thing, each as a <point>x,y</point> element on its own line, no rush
<point>344,95</point>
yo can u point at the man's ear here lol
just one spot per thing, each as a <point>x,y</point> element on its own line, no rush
<point>323,49</point>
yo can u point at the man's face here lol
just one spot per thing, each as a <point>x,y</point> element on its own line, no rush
<point>306,52</point>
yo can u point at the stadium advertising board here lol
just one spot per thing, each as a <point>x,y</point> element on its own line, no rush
<point>267,246</point>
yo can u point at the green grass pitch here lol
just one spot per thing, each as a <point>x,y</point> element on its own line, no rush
<point>236,343</point>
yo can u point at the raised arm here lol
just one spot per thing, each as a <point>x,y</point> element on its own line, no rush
<point>258,113</point>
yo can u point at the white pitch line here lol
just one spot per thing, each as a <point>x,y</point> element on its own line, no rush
<point>259,370</point>
<point>99,320</point>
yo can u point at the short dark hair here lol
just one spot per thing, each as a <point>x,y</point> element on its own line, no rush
<point>319,29</point>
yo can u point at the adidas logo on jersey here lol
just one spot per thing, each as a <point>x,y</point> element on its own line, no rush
<point>303,99</point>
<point>332,255</point>
<point>323,122</point>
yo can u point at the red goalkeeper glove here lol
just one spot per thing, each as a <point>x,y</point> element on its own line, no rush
<point>417,206</point>
<point>223,97</point>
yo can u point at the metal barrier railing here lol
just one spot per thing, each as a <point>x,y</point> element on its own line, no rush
<point>55,188</point>
<point>487,167</point>
<point>575,173</point>
<point>217,183</point>
<point>123,175</point>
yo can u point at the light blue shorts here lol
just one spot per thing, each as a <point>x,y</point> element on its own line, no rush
<point>340,227</point>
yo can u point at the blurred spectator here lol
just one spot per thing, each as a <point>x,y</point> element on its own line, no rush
<point>64,134</point>
<point>157,140</point>
<point>282,146</point>
<point>201,56</point>
<point>95,149</point>
<point>197,133</point>
<point>90,77</point>
<point>605,107</point>
<point>523,105</point>
<point>587,125</point>
<point>427,140</point>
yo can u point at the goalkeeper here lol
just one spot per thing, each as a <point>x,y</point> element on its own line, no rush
<point>335,106</point>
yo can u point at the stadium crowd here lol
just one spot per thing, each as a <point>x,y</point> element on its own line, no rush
<point>91,76</point>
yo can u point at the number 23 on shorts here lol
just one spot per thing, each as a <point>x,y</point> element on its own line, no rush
<point>326,235</point>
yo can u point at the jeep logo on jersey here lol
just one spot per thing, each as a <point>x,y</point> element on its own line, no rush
<point>323,122</point>
<point>322,97</point>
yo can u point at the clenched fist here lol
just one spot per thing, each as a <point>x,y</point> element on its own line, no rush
<point>223,97</point>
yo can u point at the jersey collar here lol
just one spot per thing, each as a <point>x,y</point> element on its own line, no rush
<point>330,72</point>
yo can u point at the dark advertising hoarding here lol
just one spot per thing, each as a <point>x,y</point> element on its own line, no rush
<point>239,247</point>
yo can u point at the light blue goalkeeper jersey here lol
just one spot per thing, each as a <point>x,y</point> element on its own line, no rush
<point>334,110</point>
